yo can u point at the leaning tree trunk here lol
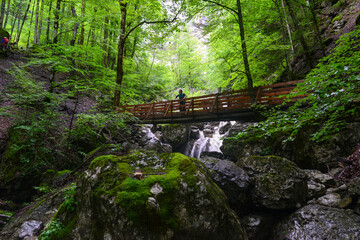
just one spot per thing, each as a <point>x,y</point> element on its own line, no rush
<point>7,13</point>
<point>22,24</point>
<point>244,53</point>
<point>299,34</point>
<point>288,28</point>
<point>31,22</point>
<point>15,19</point>
<point>120,62</point>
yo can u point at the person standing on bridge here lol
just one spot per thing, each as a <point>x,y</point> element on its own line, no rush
<point>182,102</point>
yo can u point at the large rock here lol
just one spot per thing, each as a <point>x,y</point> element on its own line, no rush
<point>175,198</point>
<point>230,178</point>
<point>319,222</point>
<point>31,219</point>
<point>278,182</point>
<point>304,152</point>
<point>175,134</point>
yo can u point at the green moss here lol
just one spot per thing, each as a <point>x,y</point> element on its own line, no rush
<point>60,173</point>
<point>132,194</point>
<point>102,161</point>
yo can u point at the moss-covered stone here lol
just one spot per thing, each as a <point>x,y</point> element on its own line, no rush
<point>278,182</point>
<point>173,197</point>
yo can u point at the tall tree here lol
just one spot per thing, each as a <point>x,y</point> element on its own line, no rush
<point>22,23</point>
<point>239,18</point>
<point>125,32</point>
<point>2,13</point>
<point>56,21</point>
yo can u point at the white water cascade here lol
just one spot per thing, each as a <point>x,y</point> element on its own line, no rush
<point>209,139</point>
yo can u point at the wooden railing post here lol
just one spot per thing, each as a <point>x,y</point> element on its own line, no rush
<point>171,109</point>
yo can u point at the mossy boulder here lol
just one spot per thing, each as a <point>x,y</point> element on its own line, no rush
<point>174,199</point>
<point>305,153</point>
<point>278,182</point>
<point>176,135</point>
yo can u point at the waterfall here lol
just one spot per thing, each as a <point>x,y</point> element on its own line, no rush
<point>209,139</point>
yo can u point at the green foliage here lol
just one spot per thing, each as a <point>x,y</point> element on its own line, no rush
<point>53,228</point>
<point>70,203</point>
<point>333,100</point>
<point>92,130</point>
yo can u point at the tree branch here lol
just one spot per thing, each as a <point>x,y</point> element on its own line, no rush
<point>223,6</point>
<point>152,22</point>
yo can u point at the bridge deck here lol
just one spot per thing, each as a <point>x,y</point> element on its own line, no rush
<point>226,106</point>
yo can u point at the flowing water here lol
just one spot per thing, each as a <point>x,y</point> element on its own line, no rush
<point>210,140</point>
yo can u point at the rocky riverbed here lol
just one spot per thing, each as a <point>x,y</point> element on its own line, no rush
<point>140,189</point>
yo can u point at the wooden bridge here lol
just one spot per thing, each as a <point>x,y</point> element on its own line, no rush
<point>227,106</point>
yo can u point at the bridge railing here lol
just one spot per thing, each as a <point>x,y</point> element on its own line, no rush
<point>220,103</point>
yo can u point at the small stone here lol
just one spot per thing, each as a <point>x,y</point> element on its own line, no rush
<point>30,229</point>
<point>331,200</point>
<point>152,204</point>
<point>156,189</point>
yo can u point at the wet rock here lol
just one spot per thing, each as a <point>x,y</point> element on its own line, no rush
<point>224,128</point>
<point>218,155</point>
<point>195,132</point>
<point>208,132</point>
<point>278,182</point>
<point>330,200</point>
<point>320,177</point>
<point>230,178</point>
<point>175,134</point>
<point>30,229</point>
<point>190,205</point>
<point>319,222</point>
<point>258,226</point>
<point>315,189</point>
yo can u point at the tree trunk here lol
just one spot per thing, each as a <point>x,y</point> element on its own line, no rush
<point>36,22</point>
<point>317,30</point>
<point>22,23</point>
<point>299,34</point>
<point>73,40</point>
<point>284,37</point>
<point>15,19</point>
<point>2,13</point>
<point>106,39</point>
<point>40,23</point>
<point>82,32</point>
<point>61,25</point>
<point>244,53</point>
<point>288,28</point>
<point>120,61</point>
<point>7,13</point>
<point>48,26</point>
<point>56,21</point>
<point>31,22</point>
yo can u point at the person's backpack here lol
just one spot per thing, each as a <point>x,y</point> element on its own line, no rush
<point>6,40</point>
